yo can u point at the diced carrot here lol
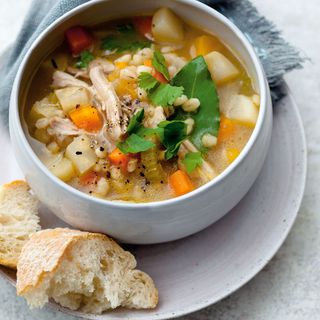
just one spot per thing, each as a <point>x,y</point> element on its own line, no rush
<point>143,25</point>
<point>119,159</point>
<point>180,183</point>
<point>159,76</point>
<point>88,178</point>
<point>148,63</point>
<point>87,118</point>
<point>127,87</point>
<point>121,64</point>
<point>232,154</point>
<point>206,44</point>
<point>78,39</point>
<point>227,128</point>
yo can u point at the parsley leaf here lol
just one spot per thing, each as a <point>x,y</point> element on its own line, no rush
<point>174,133</point>
<point>161,94</point>
<point>126,39</point>
<point>165,94</point>
<point>85,58</point>
<point>147,81</point>
<point>192,160</point>
<point>135,121</point>
<point>134,144</point>
<point>147,132</point>
<point>159,64</point>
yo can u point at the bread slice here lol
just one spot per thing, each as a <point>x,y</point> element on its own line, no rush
<point>81,270</point>
<point>18,219</point>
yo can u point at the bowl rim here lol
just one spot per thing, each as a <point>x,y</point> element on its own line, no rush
<point>264,96</point>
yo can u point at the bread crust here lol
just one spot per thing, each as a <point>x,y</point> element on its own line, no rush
<point>16,184</point>
<point>44,252</point>
<point>12,186</point>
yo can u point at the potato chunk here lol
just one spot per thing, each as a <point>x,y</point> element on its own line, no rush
<point>70,97</point>
<point>81,155</point>
<point>44,108</point>
<point>242,109</point>
<point>167,27</point>
<point>221,69</point>
<point>63,169</point>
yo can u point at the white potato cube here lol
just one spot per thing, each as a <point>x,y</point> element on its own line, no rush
<point>70,97</point>
<point>43,109</point>
<point>221,69</point>
<point>81,154</point>
<point>242,108</point>
<point>63,169</point>
<point>167,27</point>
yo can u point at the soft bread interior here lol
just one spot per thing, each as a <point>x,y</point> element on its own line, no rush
<point>18,219</point>
<point>95,275</point>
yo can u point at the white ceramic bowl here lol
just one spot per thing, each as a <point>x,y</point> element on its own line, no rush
<point>147,222</point>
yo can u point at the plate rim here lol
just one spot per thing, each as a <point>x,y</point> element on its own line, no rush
<point>259,267</point>
<point>253,271</point>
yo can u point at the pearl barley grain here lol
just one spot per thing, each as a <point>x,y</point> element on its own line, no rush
<point>103,187</point>
<point>190,124</point>
<point>180,100</point>
<point>101,152</point>
<point>191,105</point>
<point>209,140</point>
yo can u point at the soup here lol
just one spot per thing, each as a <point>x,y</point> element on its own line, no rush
<point>140,109</point>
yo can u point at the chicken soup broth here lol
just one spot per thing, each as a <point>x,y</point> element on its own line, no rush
<point>140,109</point>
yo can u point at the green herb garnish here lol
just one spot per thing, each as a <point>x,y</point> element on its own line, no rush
<point>159,63</point>
<point>147,81</point>
<point>135,121</point>
<point>196,80</point>
<point>161,94</point>
<point>134,144</point>
<point>126,39</point>
<point>85,58</point>
<point>192,160</point>
<point>174,133</point>
<point>165,94</point>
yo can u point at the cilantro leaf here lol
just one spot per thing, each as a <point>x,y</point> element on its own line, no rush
<point>135,121</point>
<point>165,94</point>
<point>123,44</point>
<point>85,58</point>
<point>147,81</point>
<point>192,160</point>
<point>126,39</point>
<point>147,132</point>
<point>134,144</point>
<point>159,63</point>
<point>174,133</point>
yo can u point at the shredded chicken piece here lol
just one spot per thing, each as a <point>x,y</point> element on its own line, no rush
<point>153,116</point>
<point>110,102</point>
<point>64,127</point>
<point>205,171</point>
<point>106,65</point>
<point>78,73</point>
<point>62,79</point>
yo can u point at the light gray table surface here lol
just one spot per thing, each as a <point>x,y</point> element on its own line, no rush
<point>288,288</point>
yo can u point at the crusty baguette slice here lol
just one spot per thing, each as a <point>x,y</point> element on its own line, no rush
<point>18,219</point>
<point>81,270</point>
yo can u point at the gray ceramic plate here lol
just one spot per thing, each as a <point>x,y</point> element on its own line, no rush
<point>200,270</point>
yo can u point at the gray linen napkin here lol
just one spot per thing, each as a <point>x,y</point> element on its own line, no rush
<point>277,56</point>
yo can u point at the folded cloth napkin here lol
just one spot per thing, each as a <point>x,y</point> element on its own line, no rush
<point>277,56</point>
